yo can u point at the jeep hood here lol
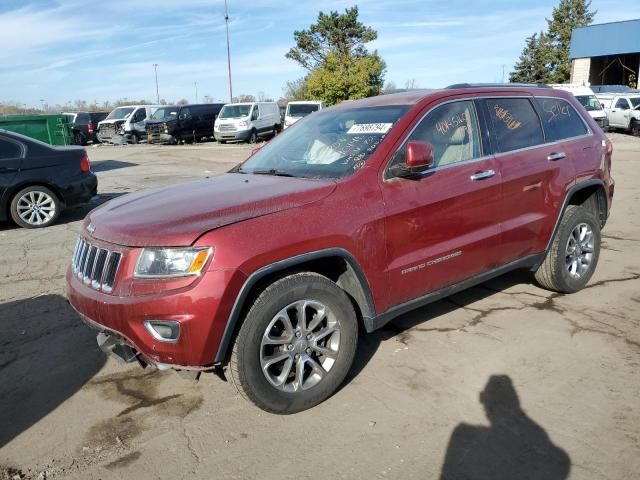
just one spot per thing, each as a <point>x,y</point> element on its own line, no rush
<point>177,215</point>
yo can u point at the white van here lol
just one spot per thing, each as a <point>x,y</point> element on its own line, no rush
<point>588,100</point>
<point>247,121</point>
<point>299,109</point>
<point>125,124</point>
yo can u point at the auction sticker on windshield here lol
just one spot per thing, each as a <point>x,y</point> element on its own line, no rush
<point>375,128</point>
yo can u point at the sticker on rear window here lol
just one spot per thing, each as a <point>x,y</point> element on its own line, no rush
<point>374,128</point>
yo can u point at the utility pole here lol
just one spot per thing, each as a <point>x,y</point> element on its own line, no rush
<point>155,66</point>
<point>503,73</point>
<point>196,85</point>
<point>226,21</point>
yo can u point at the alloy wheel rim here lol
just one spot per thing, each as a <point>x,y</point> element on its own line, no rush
<point>36,208</point>
<point>300,346</point>
<point>579,251</point>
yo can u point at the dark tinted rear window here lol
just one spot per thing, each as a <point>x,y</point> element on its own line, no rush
<point>9,149</point>
<point>560,119</point>
<point>515,123</point>
<point>82,118</point>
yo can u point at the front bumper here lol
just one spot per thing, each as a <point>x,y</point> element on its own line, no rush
<point>241,135</point>
<point>161,138</point>
<point>201,308</point>
<point>110,137</point>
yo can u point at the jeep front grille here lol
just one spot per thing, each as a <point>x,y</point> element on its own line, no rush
<point>227,128</point>
<point>95,266</point>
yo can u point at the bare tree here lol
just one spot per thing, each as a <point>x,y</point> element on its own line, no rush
<point>411,84</point>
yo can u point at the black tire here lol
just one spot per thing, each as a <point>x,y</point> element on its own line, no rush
<point>253,138</point>
<point>134,138</point>
<point>554,272</point>
<point>635,128</point>
<point>222,142</point>
<point>245,365</point>
<point>51,201</point>
<point>78,139</point>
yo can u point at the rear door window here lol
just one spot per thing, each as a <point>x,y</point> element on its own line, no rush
<point>560,119</point>
<point>515,123</point>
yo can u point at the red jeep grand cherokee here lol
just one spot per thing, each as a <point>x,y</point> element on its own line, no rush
<point>353,216</point>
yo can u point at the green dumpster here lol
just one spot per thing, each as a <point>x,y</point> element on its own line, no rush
<point>51,129</point>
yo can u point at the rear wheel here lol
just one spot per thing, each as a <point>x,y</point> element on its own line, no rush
<point>78,139</point>
<point>296,344</point>
<point>574,252</point>
<point>35,207</point>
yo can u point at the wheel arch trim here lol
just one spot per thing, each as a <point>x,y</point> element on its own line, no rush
<point>366,304</point>
<point>572,191</point>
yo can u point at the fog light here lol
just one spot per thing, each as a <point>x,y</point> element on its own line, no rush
<point>164,331</point>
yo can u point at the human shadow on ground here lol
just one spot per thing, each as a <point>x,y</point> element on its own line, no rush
<point>513,446</point>
<point>46,355</point>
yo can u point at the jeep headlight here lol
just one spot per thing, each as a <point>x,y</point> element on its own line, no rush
<point>171,262</point>
<point>243,123</point>
<point>166,128</point>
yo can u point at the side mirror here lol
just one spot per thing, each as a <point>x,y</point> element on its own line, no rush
<point>418,155</point>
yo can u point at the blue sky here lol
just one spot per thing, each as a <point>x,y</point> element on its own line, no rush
<point>63,50</point>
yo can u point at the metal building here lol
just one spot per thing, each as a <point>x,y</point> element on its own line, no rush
<point>606,54</point>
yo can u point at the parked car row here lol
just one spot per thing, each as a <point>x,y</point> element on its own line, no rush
<point>174,124</point>
<point>610,109</point>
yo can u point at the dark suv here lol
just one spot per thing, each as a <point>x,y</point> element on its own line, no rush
<point>85,126</point>
<point>188,123</point>
<point>351,217</point>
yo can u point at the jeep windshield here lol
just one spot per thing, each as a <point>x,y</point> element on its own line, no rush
<point>327,144</point>
<point>235,111</point>
<point>165,113</point>
<point>120,113</point>
<point>589,102</point>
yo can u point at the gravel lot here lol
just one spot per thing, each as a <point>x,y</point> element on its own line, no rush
<point>501,376</point>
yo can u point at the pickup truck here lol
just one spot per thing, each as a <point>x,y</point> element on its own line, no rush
<point>623,111</point>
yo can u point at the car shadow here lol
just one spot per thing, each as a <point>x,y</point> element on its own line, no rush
<point>512,446</point>
<point>106,165</point>
<point>46,355</point>
<point>369,343</point>
<point>72,214</point>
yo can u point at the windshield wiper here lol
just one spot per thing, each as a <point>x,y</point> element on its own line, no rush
<point>272,171</point>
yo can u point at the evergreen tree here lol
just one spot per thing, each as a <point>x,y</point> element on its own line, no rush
<point>569,14</point>
<point>545,57</point>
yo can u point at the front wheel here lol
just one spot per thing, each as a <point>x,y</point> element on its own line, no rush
<point>635,128</point>
<point>574,252</point>
<point>253,138</point>
<point>296,344</point>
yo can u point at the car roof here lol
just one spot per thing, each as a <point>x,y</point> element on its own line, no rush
<point>413,97</point>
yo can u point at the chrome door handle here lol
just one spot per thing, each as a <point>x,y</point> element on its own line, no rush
<point>556,156</point>
<point>482,175</point>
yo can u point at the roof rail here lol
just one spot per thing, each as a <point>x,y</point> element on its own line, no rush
<point>496,85</point>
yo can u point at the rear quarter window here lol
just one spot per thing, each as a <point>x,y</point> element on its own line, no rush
<point>560,119</point>
<point>515,123</point>
<point>9,149</point>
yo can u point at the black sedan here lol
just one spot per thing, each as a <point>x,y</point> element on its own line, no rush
<point>37,181</point>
